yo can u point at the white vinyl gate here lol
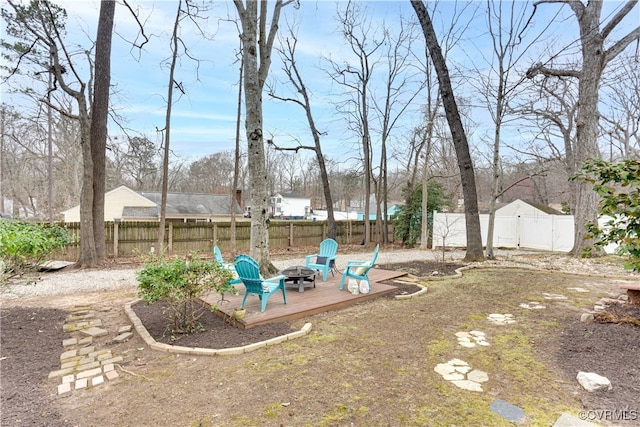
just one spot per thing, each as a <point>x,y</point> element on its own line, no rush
<point>540,232</point>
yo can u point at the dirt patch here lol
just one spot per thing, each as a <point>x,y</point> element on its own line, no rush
<point>342,363</point>
<point>31,343</point>
<point>425,269</point>
<point>607,349</point>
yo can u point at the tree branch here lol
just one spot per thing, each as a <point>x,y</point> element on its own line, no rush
<point>621,44</point>
<point>135,15</point>
<point>618,17</point>
<point>541,69</point>
<point>299,147</point>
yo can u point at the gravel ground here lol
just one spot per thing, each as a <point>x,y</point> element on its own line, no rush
<point>69,281</point>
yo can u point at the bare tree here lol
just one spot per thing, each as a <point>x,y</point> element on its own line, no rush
<point>189,11</point>
<point>39,31</point>
<point>551,107</point>
<point>166,132</point>
<point>257,43</point>
<point>98,130</point>
<point>401,86</point>
<point>287,53</point>
<point>596,54</point>
<point>357,31</point>
<point>465,164</point>
<point>507,23</point>
<point>620,118</point>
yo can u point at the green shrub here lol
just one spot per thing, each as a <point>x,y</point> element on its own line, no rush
<point>181,283</point>
<point>25,245</point>
<point>618,185</point>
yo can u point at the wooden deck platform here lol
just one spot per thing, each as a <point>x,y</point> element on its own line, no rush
<point>325,296</point>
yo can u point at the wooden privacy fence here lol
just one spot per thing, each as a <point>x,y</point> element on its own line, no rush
<point>127,239</point>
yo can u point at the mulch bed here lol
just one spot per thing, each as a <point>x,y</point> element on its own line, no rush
<point>607,347</point>
<point>31,343</point>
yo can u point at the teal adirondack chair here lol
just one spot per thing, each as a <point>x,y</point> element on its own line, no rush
<point>325,260</point>
<point>359,270</point>
<point>249,274</point>
<point>217,255</point>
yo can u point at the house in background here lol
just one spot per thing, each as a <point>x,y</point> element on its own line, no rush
<point>290,206</point>
<point>391,210</point>
<point>124,204</point>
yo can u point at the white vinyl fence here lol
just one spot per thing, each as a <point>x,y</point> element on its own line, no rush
<point>540,232</point>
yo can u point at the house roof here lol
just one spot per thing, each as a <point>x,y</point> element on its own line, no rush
<point>294,195</point>
<point>187,204</point>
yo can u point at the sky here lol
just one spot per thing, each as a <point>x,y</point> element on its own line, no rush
<point>204,118</point>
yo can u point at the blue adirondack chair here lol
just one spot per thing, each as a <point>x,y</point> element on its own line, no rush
<point>359,270</point>
<point>217,255</point>
<point>249,274</point>
<point>325,260</point>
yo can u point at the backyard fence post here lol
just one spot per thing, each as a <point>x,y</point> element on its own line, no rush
<point>170,238</point>
<point>291,234</point>
<point>116,226</point>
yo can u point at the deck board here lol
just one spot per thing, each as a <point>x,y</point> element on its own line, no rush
<point>325,296</point>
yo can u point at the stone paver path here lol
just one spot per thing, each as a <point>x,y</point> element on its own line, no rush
<point>82,363</point>
<point>472,338</point>
<point>501,319</point>
<point>460,374</point>
<point>533,305</point>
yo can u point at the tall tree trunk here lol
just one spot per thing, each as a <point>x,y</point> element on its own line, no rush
<point>99,118</point>
<point>465,165</point>
<point>167,130</point>
<point>595,57</point>
<point>88,255</point>
<point>236,163</point>
<point>256,51</point>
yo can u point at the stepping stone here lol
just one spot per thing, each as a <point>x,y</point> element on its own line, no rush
<point>86,350</point>
<point>95,332</point>
<point>112,375</point>
<point>567,420</point>
<point>82,383</point>
<point>97,380</point>
<point>467,385</point>
<point>501,319</point>
<point>578,289</point>
<point>533,305</point>
<point>68,354</point>
<point>64,389</point>
<point>123,329</point>
<point>553,296</point>
<point>69,342</point>
<point>508,411</point>
<point>123,337</point>
<point>457,372</point>
<point>457,362</point>
<point>444,369</point>
<point>453,377</point>
<point>462,369</point>
<point>478,376</point>
<point>89,373</point>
